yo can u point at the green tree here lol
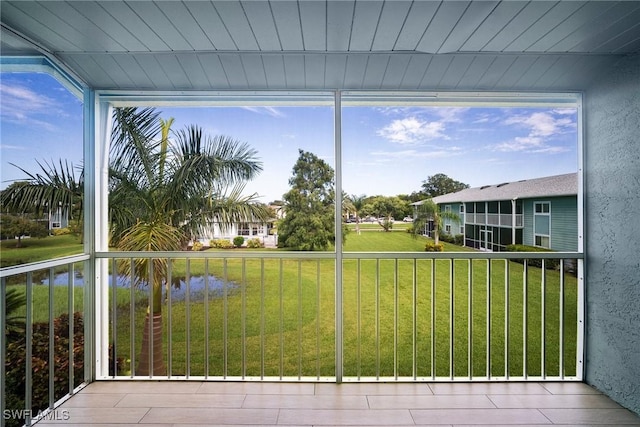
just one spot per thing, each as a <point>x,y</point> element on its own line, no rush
<point>308,224</point>
<point>163,192</point>
<point>439,184</point>
<point>429,212</point>
<point>20,226</point>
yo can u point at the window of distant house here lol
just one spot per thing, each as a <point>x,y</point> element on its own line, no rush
<point>542,224</point>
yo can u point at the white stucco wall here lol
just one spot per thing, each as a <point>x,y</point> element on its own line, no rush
<point>612,197</point>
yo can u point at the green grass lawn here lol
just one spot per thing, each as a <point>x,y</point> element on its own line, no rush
<point>277,317</point>
<point>34,250</point>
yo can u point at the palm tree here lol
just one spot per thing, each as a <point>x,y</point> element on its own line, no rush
<point>357,202</point>
<point>429,211</point>
<point>163,192</point>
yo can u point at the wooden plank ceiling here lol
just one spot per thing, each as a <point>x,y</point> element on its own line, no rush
<point>307,44</point>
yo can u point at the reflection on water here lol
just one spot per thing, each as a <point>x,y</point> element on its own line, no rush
<point>216,286</point>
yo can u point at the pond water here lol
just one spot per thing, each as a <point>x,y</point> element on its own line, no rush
<point>178,285</point>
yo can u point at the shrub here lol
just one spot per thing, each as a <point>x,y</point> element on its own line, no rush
<point>16,363</point>
<point>255,243</point>
<point>238,241</point>
<point>221,244</point>
<point>410,229</point>
<point>550,264</point>
<point>197,246</point>
<point>432,247</point>
<point>458,240</point>
<point>61,231</point>
<point>446,238</point>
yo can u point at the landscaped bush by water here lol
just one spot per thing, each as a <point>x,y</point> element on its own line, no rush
<point>551,264</point>
<point>238,241</point>
<point>433,247</point>
<point>254,243</point>
<point>221,244</point>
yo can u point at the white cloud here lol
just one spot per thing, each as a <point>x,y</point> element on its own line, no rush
<point>415,154</point>
<point>270,111</point>
<point>541,123</point>
<point>542,127</point>
<point>520,143</point>
<point>22,105</point>
<point>412,130</point>
<point>450,114</point>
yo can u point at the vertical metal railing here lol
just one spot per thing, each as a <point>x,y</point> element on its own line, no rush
<point>271,316</point>
<point>35,346</point>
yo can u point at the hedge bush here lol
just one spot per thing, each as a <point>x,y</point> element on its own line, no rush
<point>255,243</point>
<point>550,264</point>
<point>197,246</point>
<point>238,241</point>
<point>221,244</point>
<point>15,366</point>
<point>61,231</point>
<point>433,247</point>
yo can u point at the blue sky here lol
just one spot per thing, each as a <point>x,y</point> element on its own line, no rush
<point>386,150</point>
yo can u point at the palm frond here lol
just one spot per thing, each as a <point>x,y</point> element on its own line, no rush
<point>133,144</point>
<point>212,159</point>
<point>53,186</point>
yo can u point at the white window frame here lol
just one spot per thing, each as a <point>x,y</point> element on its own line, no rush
<point>542,213</point>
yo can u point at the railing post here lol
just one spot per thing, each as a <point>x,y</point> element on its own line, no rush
<point>338,232</point>
<point>3,349</point>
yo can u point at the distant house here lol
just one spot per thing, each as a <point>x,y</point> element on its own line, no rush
<point>248,230</point>
<point>251,229</point>
<point>58,218</point>
<point>539,212</point>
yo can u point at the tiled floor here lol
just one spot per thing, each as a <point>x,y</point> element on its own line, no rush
<point>177,404</point>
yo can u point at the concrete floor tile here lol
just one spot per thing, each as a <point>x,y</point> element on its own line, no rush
<point>370,389</point>
<point>140,386</point>
<point>587,401</point>
<point>94,400</point>
<point>429,402</point>
<point>211,416</point>
<point>347,417</point>
<point>569,388</point>
<point>182,400</point>
<point>305,402</point>
<point>256,388</point>
<point>478,416</point>
<point>93,416</point>
<point>488,388</point>
<point>591,416</point>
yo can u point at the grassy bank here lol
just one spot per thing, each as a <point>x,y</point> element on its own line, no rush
<point>34,250</point>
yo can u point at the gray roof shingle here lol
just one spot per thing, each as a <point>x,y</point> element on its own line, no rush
<point>550,186</point>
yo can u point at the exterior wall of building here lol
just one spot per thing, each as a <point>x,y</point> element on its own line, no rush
<point>563,222</point>
<point>612,178</point>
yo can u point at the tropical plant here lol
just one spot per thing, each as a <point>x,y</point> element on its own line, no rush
<point>357,202</point>
<point>14,301</point>
<point>163,192</point>
<point>429,212</point>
